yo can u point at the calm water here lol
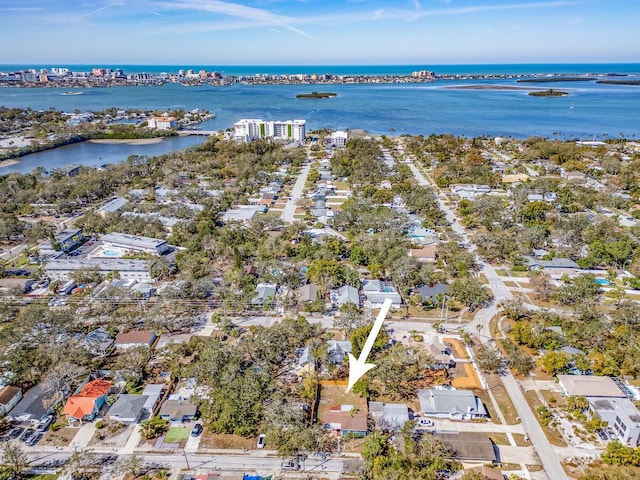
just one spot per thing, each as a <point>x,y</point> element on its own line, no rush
<point>590,110</point>
<point>94,154</point>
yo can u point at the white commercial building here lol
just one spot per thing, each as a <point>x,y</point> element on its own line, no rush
<point>135,243</point>
<point>249,129</point>
<point>61,269</point>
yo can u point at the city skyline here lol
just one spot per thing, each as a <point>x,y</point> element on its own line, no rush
<point>306,32</point>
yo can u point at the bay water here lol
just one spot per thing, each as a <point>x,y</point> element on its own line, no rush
<point>589,110</point>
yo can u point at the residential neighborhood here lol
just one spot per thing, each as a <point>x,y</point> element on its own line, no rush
<point>194,314</point>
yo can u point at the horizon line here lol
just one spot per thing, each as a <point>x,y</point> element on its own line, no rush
<point>327,64</point>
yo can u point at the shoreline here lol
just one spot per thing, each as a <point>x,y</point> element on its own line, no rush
<point>493,87</point>
<point>9,162</point>
<point>129,141</point>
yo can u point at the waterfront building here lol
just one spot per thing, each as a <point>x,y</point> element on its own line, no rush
<point>249,129</point>
<point>337,138</point>
<point>161,123</point>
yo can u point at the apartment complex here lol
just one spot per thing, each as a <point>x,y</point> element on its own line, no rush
<point>249,129</point>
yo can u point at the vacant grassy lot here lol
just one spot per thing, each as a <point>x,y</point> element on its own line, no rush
<point>177,434</point>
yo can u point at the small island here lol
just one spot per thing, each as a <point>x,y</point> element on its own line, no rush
<point>548,93</point>
<point>316,95</point>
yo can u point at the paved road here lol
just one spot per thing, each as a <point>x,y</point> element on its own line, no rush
<point>480,324</point>
<point>262,462</point>
<point>13,252</point>
<point>296,193</point>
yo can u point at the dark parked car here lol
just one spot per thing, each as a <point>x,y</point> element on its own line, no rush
<point>16,432</point>
<point>26,434</point>
<point>197,430</point>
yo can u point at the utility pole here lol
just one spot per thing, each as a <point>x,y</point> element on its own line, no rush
<point>186,459</point>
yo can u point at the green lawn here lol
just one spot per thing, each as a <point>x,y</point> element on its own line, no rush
<point>177,434</point>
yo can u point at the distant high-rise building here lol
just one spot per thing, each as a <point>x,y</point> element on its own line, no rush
<point>249,129</point>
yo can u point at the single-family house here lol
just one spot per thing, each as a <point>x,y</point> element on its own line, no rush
<point>432,294</point>
<point>153,392</point>
<point>389,416</point>
<point>128,408</point>
<point>308,293</point>
<point>98,341</point>
<point>452,404</point>
<point>345,420</point>
<point>377,291</point>
<point>87,402</point>
<point>178,410</point>
<point>304,361</point>
<point>337,350</point>
<point>486,473</point>
<point>427,254</point>
<point>441,354</point>
<point>470,446</point>
<point>422,236</point>
<point>32,406</point>
<point>343,295</point>
<point>136,338</point>
<point>265,293</point>
<point>556,267</point>
<point>9,398</point>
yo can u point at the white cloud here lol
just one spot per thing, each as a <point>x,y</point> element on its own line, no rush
<point>231,9</point>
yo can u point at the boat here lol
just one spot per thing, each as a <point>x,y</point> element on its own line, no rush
<point>71,93</point>
<point>571,107</point>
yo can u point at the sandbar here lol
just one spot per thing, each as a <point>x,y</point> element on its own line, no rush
<point>490,87</point>
<point>129,141</point>
<point>8,163</point>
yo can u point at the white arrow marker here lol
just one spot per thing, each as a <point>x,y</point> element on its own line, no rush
<point>357,368</point>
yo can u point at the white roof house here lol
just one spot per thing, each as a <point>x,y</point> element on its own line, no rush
<point>453,404</point>
<point>377,292</point>
<point>389,415</point>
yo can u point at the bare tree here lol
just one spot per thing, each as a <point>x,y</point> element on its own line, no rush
<point>543,285</point>
<point>61,377</point>
<point>14,460</point>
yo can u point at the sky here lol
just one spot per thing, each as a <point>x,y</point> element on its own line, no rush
<point>318,32</point>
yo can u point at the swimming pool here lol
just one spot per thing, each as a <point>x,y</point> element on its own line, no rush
<point>602,281</point>
<point>111,253</point>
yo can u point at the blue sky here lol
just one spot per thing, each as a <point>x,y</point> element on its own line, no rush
<point>307,32</point>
